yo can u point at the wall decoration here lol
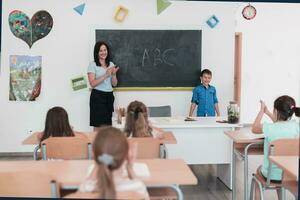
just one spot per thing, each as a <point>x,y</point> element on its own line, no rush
<point>25,77</point>
<point>30,30</point>
<point>79,83</point>
<point>212,21</point>
<point>162,5</point>
<point>249,12</point>
<point>79,9</point>
<point>121,14</point>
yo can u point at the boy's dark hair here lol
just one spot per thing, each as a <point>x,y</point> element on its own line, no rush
<point>96,53</point>
<point>286,107</point>
<point>205,71</point>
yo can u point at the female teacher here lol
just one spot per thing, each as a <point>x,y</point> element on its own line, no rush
<point>102,76</point>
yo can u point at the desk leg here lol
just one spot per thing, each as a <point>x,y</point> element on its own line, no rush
<point>246,174</point>
<point>225,171</point>
<point>233,175</point>
<point>246,150</point>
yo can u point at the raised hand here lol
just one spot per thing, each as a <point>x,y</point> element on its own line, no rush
<point>263,106</point>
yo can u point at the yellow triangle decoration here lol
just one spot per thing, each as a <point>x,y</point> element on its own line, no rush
<point>162,5</point>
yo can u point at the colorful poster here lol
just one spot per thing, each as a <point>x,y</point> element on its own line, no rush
<point>30,30</point>
<point>25,77</point>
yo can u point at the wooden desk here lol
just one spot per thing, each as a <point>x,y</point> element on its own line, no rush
<point>290,167</point>
<point>34,138</point>
<point>70,173</point>
<point>244,143</point>
<point>198,142</point>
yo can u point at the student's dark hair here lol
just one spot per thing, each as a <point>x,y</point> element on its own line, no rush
<point>137,124</point>
<point>57,124</point>
<point>96,53</point>
<point>205,71</point>
<point>286,107</point>
<point>110,150</point>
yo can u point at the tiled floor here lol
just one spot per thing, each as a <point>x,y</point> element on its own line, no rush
<point>211,188</point>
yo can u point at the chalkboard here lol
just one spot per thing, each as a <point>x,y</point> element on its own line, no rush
<point>155,58</point>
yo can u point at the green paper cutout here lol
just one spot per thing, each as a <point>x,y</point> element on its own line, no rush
<point>162,5</point>
<point>79,83</point>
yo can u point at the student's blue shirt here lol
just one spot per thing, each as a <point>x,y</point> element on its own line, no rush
<point>105,86</point>
<point>205,98</point>
<point>275,131</point>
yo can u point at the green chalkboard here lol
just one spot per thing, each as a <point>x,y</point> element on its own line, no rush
<point>155,58</point>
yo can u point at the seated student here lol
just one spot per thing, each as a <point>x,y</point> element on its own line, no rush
<point>137,123</point>
<point>283,127</point>
<point>112,158</point>
<point>57,125</point>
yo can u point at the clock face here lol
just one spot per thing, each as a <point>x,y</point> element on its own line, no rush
<point>249,12</point>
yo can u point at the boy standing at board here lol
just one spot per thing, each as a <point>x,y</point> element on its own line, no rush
<point>205,97</point>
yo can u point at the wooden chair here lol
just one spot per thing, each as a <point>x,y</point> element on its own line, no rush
<point>68,148</point>
<point>280,147</point>
<point>148,147</point>
<point>28,184</point>
<point>159,111</point>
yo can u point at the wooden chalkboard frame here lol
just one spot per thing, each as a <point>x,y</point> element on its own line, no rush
<point>124,89</point>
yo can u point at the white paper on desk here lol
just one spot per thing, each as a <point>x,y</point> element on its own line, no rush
<point>141,169</point>
<point>257,136</point>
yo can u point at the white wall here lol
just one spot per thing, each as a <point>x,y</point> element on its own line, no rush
<point>270,60</point>
<point>68,49</point>
<point>270,55</point>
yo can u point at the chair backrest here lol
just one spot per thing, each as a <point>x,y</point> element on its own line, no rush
<point>120,195</point>
<point>159,111</point>
<point>284,147</point>
<point>68,148</point>
<point>28,184</point>
<point>147,147</point>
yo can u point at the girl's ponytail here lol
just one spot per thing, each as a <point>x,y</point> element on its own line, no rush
<point>296,111</point>
<point>140,126</point>
<point>106,185</point>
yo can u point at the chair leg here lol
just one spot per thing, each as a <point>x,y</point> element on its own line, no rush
<point>35,152</point>
<point>252,187</point>
<point>260,188</point>
<point>281,193</point>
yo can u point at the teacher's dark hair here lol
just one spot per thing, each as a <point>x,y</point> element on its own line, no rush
<point>96,53</point>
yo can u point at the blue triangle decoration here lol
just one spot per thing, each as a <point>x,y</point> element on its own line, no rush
<point>80,8</point>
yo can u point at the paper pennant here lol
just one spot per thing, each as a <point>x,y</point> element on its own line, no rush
<point>79,9</point>
<point>162,5</point>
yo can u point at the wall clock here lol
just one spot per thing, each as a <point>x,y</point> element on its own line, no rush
<point>249,12</point>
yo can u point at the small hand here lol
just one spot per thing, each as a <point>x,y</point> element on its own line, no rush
<point>114,70</point>
<point>109,71</point>
<point>263,106</point>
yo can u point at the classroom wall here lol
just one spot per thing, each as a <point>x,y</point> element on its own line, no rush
<point>270,45</point>
<point>68,49</point>
<point>270,56</point>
